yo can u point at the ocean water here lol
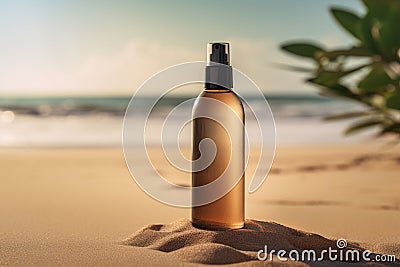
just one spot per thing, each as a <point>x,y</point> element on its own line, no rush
<point>98,121</point>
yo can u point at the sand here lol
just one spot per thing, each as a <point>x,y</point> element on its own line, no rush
<point>188,243</point>
<point>75,207</point>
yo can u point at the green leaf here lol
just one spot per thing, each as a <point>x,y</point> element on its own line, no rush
<point>393,101</point>
<point>362,125</point>
<point>302,49</point>
<point>367,28</point>
<point>394,128</point>
<point>351,52</point>
<point>380,27</point>
<point>338,90</point>
<point>379,8</point>
<point>347,115</point>
<point>388,39</point>
<point>331,78</point>
<point>326,78</point>
<point>376,79</point>
<point>349,21</point>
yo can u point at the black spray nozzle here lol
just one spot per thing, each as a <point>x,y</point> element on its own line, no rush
<point>218,69</point>
<point>219,53</point>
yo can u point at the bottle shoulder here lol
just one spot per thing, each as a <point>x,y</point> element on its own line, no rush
<point>227,97</point>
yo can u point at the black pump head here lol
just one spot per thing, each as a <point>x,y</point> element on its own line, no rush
<point>218,69</point>
<point>219,53</point>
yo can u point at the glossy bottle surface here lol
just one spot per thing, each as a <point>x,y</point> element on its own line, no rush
<point>227,212</point>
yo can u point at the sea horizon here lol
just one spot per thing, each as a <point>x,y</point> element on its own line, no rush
<point>97,121</point>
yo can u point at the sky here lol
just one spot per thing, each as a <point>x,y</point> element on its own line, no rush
<point>98,47</point>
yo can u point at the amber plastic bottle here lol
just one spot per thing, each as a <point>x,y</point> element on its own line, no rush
<point>227,212</point>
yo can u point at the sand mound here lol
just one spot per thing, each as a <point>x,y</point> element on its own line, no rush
<point>188,243</point>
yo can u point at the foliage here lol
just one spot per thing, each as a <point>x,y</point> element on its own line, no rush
<point>367,72</point>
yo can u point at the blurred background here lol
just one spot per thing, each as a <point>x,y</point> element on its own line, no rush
<point>69,68</point>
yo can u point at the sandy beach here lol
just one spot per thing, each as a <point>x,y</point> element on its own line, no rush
<point>81,207</point>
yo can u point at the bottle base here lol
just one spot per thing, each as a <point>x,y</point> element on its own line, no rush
<point>206,225</point>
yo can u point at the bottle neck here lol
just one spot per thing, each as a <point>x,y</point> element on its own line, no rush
<point>218,77</point>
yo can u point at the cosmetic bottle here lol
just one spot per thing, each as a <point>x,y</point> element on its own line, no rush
<point>227,133</point>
